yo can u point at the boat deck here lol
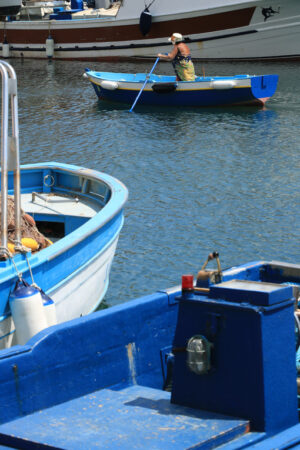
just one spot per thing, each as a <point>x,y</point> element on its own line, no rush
<point>133,417</point>
<point>58,204</point>
<point>91,13</point>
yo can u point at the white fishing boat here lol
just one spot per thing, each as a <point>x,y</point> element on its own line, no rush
<point>80,215</point>
<point>219,29</point>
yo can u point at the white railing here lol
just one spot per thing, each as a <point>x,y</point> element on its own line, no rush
<point>9,155</point>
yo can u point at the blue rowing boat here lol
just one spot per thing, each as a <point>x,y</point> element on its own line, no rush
<point>60,226</point>
<point>202,365</point>
<point>164,90</point>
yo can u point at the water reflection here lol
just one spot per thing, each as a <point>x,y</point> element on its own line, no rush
<point>199,179</point>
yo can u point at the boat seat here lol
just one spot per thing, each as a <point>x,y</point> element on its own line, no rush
<point>122,418</point>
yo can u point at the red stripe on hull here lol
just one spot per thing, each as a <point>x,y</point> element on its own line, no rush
<point>127,33</point>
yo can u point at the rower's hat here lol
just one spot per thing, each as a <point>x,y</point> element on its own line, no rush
<point>177,37</point>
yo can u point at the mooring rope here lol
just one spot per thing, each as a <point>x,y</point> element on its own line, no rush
<point>11,257</point>
<point>147,7</point>
<point>29,267</point>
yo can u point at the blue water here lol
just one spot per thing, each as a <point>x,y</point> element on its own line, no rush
<point>199,180</point>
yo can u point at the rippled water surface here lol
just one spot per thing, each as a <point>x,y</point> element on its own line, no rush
<point>223,179</point>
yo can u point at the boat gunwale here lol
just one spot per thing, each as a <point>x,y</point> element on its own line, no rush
<point>242,81</point>
<point>169,78</point>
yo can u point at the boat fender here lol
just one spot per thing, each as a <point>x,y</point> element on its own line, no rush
<point>85,75</point>
<point>164,88</point>
<point>5,49</point>
<point>11,247</point>
<point>29,219</point>
<point>110,85</point>
<point>27,310</point>
<point>49,308</point>
<point>49,46</point>
<point>223,84</point>
<point>30,243</point>
<point>145,21</point>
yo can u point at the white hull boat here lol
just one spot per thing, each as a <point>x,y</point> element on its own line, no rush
<point>79,213</point>
<point>215,30</point>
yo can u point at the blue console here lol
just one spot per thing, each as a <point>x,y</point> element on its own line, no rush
<point>234,353</point>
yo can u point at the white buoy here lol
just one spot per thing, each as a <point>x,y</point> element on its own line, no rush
<point>50,309</point>
<point>28,312</point>
<point>223,84</point>
<point>49,46</point>
<point>110,85</point>
<point>5,49</point>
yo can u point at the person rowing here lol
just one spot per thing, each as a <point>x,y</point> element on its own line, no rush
<point>181,59</point>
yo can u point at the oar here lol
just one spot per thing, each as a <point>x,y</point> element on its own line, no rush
<point>147,78</point>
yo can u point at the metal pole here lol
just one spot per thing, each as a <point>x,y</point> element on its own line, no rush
<point>10,154</point>
<point>4,152</point>
<point>14,149</point>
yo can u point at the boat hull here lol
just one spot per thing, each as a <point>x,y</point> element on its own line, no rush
<point>219,91</point>
<point>74,271</point>
<point>225,30</point>
<point>89,282</point>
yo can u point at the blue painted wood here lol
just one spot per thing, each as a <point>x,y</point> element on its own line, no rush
<point>262,86</point>
<point>287,439</point>
<point>141,77</point>
<point>248,440</point>
<point>97,380</point>
<point>134,417</point>
<point>256,293</point>
<point>269,272</point>
<point>114,346</point>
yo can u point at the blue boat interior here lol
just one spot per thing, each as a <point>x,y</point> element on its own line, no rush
<point>141,77</point>
<point>60,182</point>
<point>195,366</point>
<point>53,181</point>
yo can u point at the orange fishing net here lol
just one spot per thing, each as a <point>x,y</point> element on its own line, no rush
<point>28,226</point>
